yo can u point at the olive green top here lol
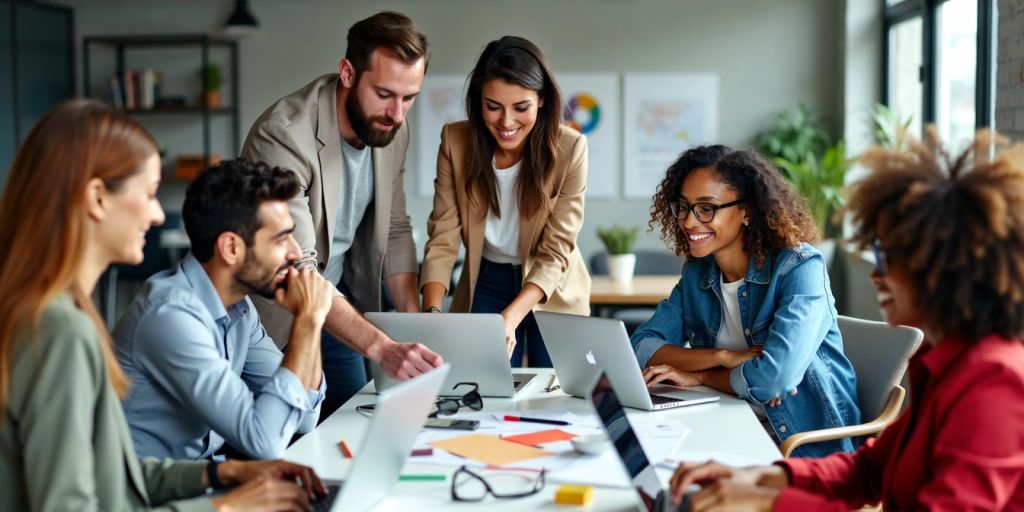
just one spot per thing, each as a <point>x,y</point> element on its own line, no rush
<point>64,443</point>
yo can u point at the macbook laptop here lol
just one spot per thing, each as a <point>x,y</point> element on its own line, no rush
<point>398,417</point>
<point>651,496</point>
<point>581,346</point>
<point>473,343</point>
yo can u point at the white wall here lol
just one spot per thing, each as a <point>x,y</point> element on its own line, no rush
<point>769,55</point>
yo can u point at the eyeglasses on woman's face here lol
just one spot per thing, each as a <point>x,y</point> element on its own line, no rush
<point>704,212</point>
<point>883,258</point>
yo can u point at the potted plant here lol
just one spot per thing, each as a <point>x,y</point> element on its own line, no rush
<point>619,240</point>
<point>819,180</point>
<point>210,79</point>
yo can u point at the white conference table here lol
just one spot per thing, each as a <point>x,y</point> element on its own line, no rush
<point>725,429</point>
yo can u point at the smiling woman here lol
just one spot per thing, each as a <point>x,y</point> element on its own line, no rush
<point>753,314</point>
<point>510,181</point>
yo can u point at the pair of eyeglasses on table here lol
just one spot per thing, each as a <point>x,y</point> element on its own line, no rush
<point>502,483</point>
<point>446,406</point>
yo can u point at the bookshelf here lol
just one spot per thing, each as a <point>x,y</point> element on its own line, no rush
<point>203,44</point>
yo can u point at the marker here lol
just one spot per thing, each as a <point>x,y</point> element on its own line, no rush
<point>345,450</point>
<point>536,420</point>
<point>422,478</point>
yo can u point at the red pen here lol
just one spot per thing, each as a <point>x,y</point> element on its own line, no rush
<point>345,450</point>
<point>536,420</point>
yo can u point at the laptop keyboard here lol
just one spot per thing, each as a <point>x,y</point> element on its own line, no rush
<point>662,399</point>
<point>323,504</point>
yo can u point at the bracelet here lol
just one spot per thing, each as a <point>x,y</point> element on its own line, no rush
<point>211,475</point>
<point>432,309</point>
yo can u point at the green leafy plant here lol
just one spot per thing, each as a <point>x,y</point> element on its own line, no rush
<point>794,134</point>
<point>820,181</point>
<point>212,75</point>
<point>889,130</point>
<point>618,239</point>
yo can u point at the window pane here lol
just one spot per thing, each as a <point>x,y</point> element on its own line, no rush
<point>905,53</point>
<point>957,66</point>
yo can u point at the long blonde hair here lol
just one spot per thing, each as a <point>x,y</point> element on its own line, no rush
<point>42,217</point>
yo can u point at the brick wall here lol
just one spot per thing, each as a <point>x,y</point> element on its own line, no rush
<point>1009,110</point>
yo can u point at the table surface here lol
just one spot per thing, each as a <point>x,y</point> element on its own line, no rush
<point>727,428</point>
<point>642,290</point>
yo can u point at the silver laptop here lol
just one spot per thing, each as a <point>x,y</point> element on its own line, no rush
<point>581,346</point>
<point>651,495</point>
<point>397,419</point>
<point>473,343</point>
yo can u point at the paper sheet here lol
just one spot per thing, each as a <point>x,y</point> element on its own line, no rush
<point>539,438</point>
<point>489,450</point>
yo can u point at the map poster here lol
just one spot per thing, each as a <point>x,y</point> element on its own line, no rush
<point>441,101</point>
<point>665,114</point>
<point>592,107</point>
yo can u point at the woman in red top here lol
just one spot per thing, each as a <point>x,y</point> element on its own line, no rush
<point>949,242</point>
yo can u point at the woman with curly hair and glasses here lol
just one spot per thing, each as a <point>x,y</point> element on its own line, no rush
<point>948,237</point>
<point>753,313</point>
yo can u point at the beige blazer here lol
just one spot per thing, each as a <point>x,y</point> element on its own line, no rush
<point>64,442</point>
<point>547,242</point>
<point>300,133</point>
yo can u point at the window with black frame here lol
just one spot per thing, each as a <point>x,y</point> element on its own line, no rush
<point>939,65</point>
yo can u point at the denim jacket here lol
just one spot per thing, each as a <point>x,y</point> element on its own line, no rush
<point>788,308</point>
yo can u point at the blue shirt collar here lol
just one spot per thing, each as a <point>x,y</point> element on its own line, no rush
<point>755,274</point>
<point>207,294</point>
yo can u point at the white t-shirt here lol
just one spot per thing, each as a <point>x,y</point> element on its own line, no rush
<point>730,333</point>
<point>501,236</point>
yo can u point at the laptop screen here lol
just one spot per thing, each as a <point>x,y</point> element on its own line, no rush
<point>621,433</point>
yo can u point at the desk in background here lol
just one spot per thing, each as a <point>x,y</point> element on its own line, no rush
<point>641,291</point>
<point>727,427</point>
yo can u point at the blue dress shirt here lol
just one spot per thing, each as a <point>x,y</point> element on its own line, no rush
<point>202,374</point>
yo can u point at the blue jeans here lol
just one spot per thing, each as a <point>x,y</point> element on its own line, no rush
<point>496,287</point>
<point>344,369</point>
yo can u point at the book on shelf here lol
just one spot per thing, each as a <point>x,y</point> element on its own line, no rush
<point>135,89</point>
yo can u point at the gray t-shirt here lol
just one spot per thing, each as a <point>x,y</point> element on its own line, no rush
<point>354,196</point>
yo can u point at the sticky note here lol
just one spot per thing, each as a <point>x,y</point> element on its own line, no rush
<point>542,437</point>
<point>489,449</point>
<point>568,494</point>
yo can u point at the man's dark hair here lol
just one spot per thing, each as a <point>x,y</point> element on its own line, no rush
<point>227,197</point>
<point>391,31</point>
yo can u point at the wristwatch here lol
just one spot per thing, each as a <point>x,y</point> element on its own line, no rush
<point>211,475</point>
<point>432,309</point>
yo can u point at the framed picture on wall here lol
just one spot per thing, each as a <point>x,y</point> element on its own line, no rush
<point>592,106</point>
<point>441,101</point>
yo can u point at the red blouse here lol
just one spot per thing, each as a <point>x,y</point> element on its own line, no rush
<point>960,445</point>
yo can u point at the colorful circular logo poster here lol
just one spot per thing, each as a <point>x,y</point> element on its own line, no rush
<point>582,113</point>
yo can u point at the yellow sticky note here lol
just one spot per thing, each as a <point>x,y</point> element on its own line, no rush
<point>574,494</point>
<point>489,449</point>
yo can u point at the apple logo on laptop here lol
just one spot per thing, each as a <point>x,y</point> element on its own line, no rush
<point>590,357</point>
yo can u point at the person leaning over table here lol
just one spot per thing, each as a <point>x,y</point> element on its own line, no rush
<point>82,191</point>
<point>948,236</point>
<point>753,313</point>
<point>510,184</point>
<point>344,136</point>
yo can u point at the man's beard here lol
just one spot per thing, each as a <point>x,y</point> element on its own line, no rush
<point>257,278</point>
<point>363,124</point>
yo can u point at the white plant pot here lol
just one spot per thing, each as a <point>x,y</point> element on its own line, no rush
<point>620,267</point>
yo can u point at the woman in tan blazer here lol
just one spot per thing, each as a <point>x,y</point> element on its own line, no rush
<point>510,184</point>
<point>81,195</point>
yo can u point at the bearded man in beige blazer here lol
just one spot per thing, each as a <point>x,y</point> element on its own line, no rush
<point>343,135</point>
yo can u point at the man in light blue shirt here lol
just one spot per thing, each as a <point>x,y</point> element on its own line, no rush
<point>203,369</point>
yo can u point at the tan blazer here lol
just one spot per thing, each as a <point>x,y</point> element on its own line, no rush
<point>64,442</point>
<point>300,133</point>
<point>547,242</point>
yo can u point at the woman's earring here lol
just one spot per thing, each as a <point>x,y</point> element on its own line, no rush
<point>746,222</point>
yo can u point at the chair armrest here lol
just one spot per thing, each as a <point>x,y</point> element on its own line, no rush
<point>889,413</point>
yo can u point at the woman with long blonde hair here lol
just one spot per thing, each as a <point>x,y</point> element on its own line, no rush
<point>81,195</point>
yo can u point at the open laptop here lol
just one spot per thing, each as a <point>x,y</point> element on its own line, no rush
<point>581,346</point>
<point>473,343</point>
<point>397,419</point>
<point>651,496</point>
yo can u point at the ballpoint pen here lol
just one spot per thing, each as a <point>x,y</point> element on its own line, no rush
<point>536,420</point>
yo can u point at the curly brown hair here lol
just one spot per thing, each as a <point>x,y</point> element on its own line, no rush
<point>956,225</point>
<point>778,216</point>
